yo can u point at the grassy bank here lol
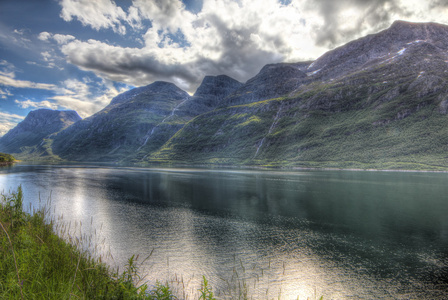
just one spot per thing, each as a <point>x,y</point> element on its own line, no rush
<point>37,264</point>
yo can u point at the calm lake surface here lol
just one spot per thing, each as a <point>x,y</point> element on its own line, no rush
<point>340,234</point>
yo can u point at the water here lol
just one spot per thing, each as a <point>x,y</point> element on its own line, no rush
<point>340,234</point>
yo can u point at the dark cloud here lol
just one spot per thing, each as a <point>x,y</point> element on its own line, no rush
<point>438,3</point>
<point>373,15</point>
<point>239,58</point>
<point>124,64</point>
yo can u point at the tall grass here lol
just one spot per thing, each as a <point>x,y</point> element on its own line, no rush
<point>43,258</point>
<point>35,263</point>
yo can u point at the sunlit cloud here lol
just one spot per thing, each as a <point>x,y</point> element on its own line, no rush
<point>8,121</point>
<point>8,81</point>
<point>229,37</point>
<point>36,104</point>
<point>98,14</point>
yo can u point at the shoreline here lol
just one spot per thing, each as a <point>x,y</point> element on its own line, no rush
<point>220,166</point>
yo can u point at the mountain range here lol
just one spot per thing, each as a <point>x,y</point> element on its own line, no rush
<point>377,102</point>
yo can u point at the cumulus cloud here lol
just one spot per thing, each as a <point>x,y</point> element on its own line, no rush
<point>98,14</point>
<point>61,39</point>
<point>8,121</point>
<point>36,104</point>
<point>44,36</point>
<point>344,20</point>
<point>233,37</point>
<point>225,37</point>
<point>85,96</point>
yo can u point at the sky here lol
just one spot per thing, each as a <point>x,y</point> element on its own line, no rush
<point>79,54</point>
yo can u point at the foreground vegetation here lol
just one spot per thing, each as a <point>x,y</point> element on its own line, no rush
<point>6,158</point>
<point>35,263</point>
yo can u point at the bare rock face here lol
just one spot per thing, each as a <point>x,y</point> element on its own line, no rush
<point>210,94</point>
<point>140,120</point>
<point>377,48</point>
<point>379,99</point>
<point>273,80</point>
<point>38,124</point>
<point>158,88</point>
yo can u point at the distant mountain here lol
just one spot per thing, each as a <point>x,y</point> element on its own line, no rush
<point>139,121</point>
<point>37,126</point>
<point>377,102</point>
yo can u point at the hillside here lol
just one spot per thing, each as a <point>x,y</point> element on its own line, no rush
<point>139,121</point>
<point>32,138</point>
<point>377,102</point>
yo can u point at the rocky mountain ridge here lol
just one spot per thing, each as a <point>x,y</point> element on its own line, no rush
<point>377,102</point>
<point>38,125</point>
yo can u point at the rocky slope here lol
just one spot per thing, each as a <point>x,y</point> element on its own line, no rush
<point>139,121</point>
<point>378,102</point>
<point>32,132</point>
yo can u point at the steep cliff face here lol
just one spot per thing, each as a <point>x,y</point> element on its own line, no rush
<point>139,121</point>
<point>272,81</point>
<point>37,126</point>
<point>122,127</point>
<point>212,92</point>
<point>377,48</point>
<point>378,102</point>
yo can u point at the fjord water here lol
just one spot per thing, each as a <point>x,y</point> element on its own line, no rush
<point>340,234</point>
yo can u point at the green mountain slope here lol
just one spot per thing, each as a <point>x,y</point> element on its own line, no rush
<point>389,112</point>
<point>377,102</point>
<point>32,138</point>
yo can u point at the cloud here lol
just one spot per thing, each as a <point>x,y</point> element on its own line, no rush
<point>44,36</point>
<point>8,121</point>
<point>344,20</point>
<point>225,37</point>
<point>5,93</point>
<point>99,14</point>
<point>36,104</point>
<point>85,96</point>
<point>76,95</point>
<point>61,39</point>
<point>8,81</point>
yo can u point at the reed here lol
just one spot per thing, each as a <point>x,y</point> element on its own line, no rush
<point>46,258</point>
<point>36,263</point>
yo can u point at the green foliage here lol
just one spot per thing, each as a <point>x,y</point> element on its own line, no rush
<point>36,264</point>
<point>206,290</point>
<point>161,292</point>
<point>6,158</point>
<point>362,121</point>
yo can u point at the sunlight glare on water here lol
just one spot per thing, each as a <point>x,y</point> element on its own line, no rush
<point>340,234</point>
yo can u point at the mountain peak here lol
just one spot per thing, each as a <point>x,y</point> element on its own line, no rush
<point>217,86</point>
<point>52,115</point>
<point>37,125</point>
<point>157,87</point>
<point>44,118</point>
<point>356,54</point>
